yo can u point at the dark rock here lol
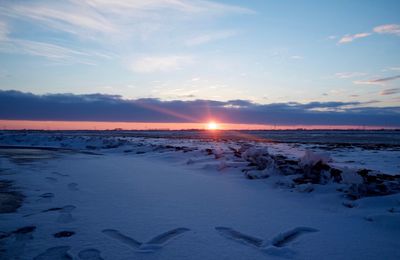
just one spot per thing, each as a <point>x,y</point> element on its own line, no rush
<point>387,177</point>
<point>260,162</point>
<point>357,191</point>
<point>179,148</point>
<point>315,173</point>
<point>287,166</point>
<point>236,152</point>
<point>336,175</point>
<point>374,184</point>
<point>363,172</point>
<point>303,180</point>
<point>291,162</point>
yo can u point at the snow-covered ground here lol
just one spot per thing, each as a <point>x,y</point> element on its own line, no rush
<point>160,198</point>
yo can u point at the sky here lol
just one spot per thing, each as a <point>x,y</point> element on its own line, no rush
<point>188,61</point>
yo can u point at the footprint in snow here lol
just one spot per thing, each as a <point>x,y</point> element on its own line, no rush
<point>51,179</point>
<point>64,216</point>
<point>153,244</point>
<point>60,174</point>
<point>23,233</point>
<point>63,234</point>
<point>13,243</point>
<point>90,254</point>
<point>58,252</point>
<point>276,246</point>
<point>46,197</point>
<point>73,186</point>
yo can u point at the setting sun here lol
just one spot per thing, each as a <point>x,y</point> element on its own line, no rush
<point>212,126</point>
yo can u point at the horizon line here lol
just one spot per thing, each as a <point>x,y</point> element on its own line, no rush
<point>172,126</point>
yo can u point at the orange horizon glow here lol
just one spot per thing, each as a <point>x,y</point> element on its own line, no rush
<point>89,125</point>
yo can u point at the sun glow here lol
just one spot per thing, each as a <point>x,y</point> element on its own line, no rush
<point>212,126</point>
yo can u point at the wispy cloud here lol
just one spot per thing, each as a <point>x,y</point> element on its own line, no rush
<point>377,81</point>
<point>88,25</point>
<point>76,19</point>
<point>296,57</point>
<point>87,18</point>
<point>210,37</point>
<point>351,37</point>
<point>3,31</point>
<point>347,75</point>
<point>390,91</point>
<point>388,29</point>
<point>381,29</point>
<point>187,6</point>
<point>160,63</point>
<point>391,69</point>
<point>42,49</point>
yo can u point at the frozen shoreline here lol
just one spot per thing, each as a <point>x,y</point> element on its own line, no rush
<point>378,151</point>
<point>186,203</point>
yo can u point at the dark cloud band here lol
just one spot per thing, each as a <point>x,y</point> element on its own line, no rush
<point>15,105</point>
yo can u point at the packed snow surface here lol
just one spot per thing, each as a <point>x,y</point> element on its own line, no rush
<point>132,197</point>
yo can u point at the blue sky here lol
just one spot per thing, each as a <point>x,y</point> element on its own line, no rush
<point>264,52</point>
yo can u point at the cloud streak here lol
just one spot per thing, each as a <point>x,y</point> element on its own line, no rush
<point>47,50</point>
<point>185,6</point>
<point>3,31</point>
<point>390,91</point>
<point>377,81</point>
<point>351,37</point>
<point>97,107</point>
<point>388,29</point>
<point>347,75</point>
<point>89,18</point>
<point>68,17</point>
<point>393,29</point>
<point>118,25</point>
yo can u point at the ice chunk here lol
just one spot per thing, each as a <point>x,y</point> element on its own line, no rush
<point>312,158</point>
<point>351,177</point>
<point>253,152</point>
